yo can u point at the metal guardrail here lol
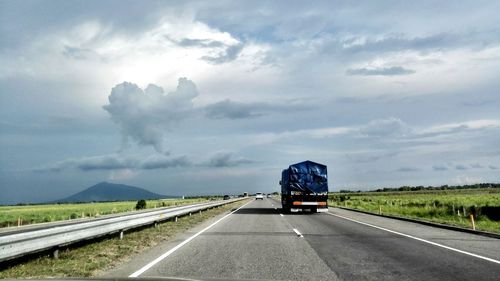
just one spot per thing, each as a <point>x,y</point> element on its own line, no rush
<point>32,241</point>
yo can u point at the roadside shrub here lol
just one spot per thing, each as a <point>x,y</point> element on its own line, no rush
<point>141,204</point>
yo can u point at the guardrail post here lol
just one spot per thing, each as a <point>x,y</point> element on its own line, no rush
<point>189,213</point>
<point>156,224</point>
<point>175,219</point>
<point>121,234</point>
<point>200,211</point>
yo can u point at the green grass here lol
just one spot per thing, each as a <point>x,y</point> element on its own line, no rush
<point>30,214</point>
<point>443,206</point>
<point>95,258</point>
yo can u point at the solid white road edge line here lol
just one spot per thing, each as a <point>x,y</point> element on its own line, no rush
<point>298,233</point>
<point>419,239</point>
<point>169,252</point>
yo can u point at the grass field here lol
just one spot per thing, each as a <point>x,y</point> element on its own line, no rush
<point>29,214</point>
<point>452,207</point>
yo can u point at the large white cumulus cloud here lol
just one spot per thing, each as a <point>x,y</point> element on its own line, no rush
<point>144,115</point>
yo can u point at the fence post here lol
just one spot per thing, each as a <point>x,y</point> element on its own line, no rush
<point>472,221</point>
<point>380,209</point>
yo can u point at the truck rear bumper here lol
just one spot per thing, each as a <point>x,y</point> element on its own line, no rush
<point>318,210</point>
<point>306,203</point>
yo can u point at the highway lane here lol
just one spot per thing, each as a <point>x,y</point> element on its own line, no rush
<point>256,242</point>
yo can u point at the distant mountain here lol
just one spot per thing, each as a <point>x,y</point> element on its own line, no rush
<point>106,191</point>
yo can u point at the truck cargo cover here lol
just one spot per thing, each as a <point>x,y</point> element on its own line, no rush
<point>309,177</point>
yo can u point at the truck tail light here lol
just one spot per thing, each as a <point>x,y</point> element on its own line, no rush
<point>321,203</point>
<point>297,203</point>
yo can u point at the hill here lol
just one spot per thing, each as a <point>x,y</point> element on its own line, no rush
<point>106,191</point>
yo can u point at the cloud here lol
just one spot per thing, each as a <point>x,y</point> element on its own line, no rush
<point>101,162</point>
<point>382,71</point>
<point>124,174</point>
<point>205,43</point>
<point>439,168</point>
<point>225,159</point>
<point>407,169</point>
<point>229,54</point>
<point>219,52</point>
<point>400,42</point>
<point>231,110</point>
<point>144,115</point>
<point>238,110</point>
<point>492,167</point>
<point>116,162</point>
<point>385,127</point>
<point>161,162</point>
<point>364,157</point>
<point>461,167</point>
<point>81,53</point>
<point>460,180</point>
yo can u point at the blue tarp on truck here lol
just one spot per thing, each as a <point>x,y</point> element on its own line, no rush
<point>304,185</point>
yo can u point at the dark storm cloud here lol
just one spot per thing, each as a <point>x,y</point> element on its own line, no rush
<point>101,162</point>
<point>384,71</point>
<point>116,162</point>
<point>160,162</point>
<point>224,159</point>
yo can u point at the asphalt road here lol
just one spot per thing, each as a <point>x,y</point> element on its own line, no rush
<point>257,242</point>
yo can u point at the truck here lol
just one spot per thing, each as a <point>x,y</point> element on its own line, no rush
<point>304,186</point>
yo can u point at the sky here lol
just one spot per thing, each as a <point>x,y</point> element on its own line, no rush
<point>217,97</point>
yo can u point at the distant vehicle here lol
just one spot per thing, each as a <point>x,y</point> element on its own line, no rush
<point>245,194</point>
<point>227,197</point>
<point>258,196</point>
<point>304,186</point>
<point>268,195</point>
